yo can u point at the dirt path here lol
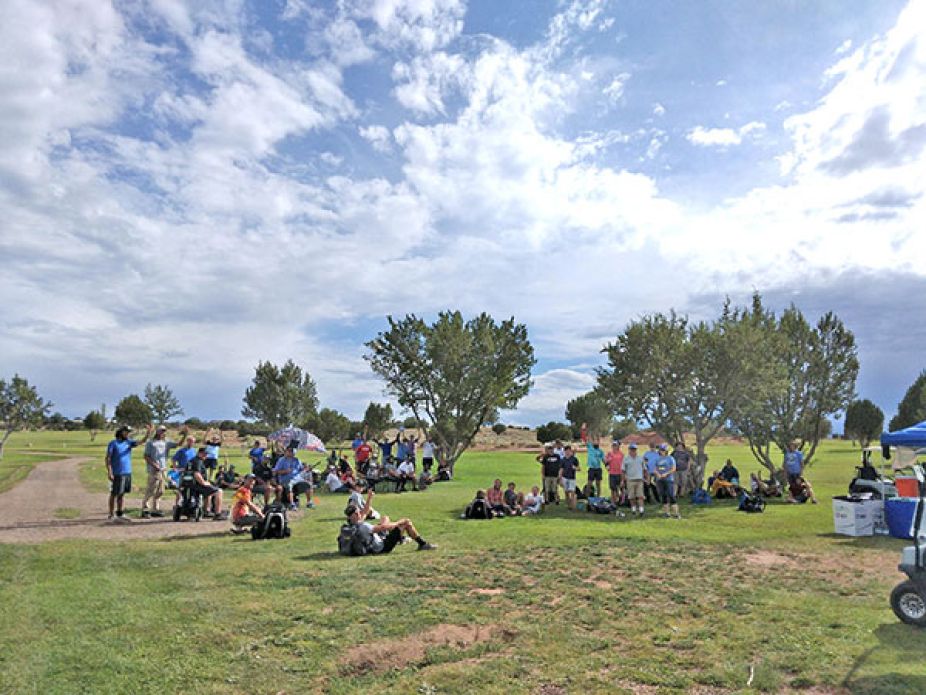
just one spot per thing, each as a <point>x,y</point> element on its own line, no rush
<point>28,511</point>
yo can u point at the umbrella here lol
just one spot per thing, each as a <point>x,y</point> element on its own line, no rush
<point>298,438</point>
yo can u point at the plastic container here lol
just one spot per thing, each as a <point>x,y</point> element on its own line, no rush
<point>907,486</point>
<point>899,514</point>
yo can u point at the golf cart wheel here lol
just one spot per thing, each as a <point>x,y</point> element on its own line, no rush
<point>176,513</point>
<point>909,604</point>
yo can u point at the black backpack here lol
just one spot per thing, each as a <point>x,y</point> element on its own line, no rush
<point>752,504</point>
<point>355,540</point>
<point>273,525</point>
<point>601,505</point>
<point>478,509</point>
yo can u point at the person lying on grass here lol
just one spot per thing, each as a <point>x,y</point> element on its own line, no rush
<point>244,512</point>
<point>357,491</point>
<point>800,490</point>
<point>386,534</point>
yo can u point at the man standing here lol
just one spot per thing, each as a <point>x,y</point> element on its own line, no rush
<point>156,460</point>
<point>615,462</point>
<point>682,468</point>
<point>665,482</point>
<point>595,459</point>
<point>427,454</point>
<point>649,459</point>
<point>119,470</point>
<point>634,476</point>
<point>569,469</point>
<point>794,463</point>
<point>362,455</point>
<point>550,463</point>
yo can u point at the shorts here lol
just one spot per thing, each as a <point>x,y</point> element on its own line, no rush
<point>681,482</point>
<point>614,481</point>
<point>635,489</point>
<point>569,484</point>
<point>391,540</point>
<point>792,477</point>
<point>550,484</point>
<point>594,474</point>
<point>666,490</point>
<point>204,490</point>
<point>210,463</point>
<point>246,520</point>
<point>427,463</point>
<point>265,475</point>
<point>122,484</point>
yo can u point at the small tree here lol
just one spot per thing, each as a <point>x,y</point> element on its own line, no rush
<point>377,419</point>
<point>94,422</point>
<point>592,410</point>
<point>163,403</point>
<point>454,375</point>
<point>329,425</point>
<point>552,431</point>
<point>280,396</point>
<point>912,408</point>
<point>499,429</point>
<point>133,411</point>
<point>864,421</point>
<point>20,407</point>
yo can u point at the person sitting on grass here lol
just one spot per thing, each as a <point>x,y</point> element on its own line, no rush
<point>346,473</point>
<point>425,478</point>
<point>533,503</point>
<point>444,473</point>
<point>406,474</point>
<point>227,478</point>
<point>495,497</point>
<point>514,500</point>
<point>334,482</point>
<point>385,535</point>
<point>727,482</point>
<point>800,490</point>
<point>210,495</point>
<point>244,512</point>
<point>479,508</point>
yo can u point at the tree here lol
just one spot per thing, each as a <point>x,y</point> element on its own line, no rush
<point>94,422</point>
<point>329,425</point>
<point>280,396</point>
<point>912,408</point>
<point>377,419</point>
<point>499,429</point>
<point>623,428</point>
<point>593,411</point>
<point>864,421</point>
<point>133,411</point>
<point>411,423</point>
<point>20,407</point>
<point>55,421</point>
<point>454,375</point>
<point>163,403</point>
<point>819,366</point>
<point>552,431</point>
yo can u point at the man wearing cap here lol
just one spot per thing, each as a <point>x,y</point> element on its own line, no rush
<point>119,470</point>
<point>634,475</point>
<point>665,482</point>
<point>614,460</point>
<point>649,459</point>
<point>550,463</point>
<point>156,460</point>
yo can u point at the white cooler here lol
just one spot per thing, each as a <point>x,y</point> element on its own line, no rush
<point>857,517</point>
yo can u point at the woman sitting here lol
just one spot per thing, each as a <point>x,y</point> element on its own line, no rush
<point>800,490</point>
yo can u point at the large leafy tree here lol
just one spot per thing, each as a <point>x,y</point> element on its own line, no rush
<point>20,407</point>
<point>454,374</point>
<point>820,366</point>
<point>912,408</point>
<point>552,431</point>
<point>329,425</point>
<point>133,411</point>
<point>94,422</point>
<point>864,421</point>
<point>163,403</point>
<point>377,419</point>
<point>592,410</point>
<point>280,396</point>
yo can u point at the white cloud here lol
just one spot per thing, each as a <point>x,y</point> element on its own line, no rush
<point>724,137</point>
<point>615,90</point>
<point>659,109</point>
<point>378,136</point>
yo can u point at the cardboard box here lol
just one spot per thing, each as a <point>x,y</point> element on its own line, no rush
<point>857,518</point>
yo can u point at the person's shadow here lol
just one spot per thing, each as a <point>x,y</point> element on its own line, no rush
<point>907,644</point>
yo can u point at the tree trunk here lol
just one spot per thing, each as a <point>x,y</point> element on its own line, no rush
<point>698,464</point>
<point>3,442</point>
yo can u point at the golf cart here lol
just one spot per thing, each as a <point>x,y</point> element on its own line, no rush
<point>869,479</point>
<point>908,599</point>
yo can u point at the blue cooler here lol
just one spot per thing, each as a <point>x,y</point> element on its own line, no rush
<point>899,514</point>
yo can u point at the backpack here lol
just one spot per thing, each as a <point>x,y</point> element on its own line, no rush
<point>751,504</point>
<point>701,496</point>
<point>601,505</point>
<point>478,509</point>
<point>356,540</point>
<point>273,525</point>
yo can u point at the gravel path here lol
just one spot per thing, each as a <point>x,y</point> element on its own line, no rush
<point>27,512</point>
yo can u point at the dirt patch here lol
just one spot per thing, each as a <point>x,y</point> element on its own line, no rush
<point>386,655</point>
<point>767,558</point>
<point>487,592</point>
<point>600,584</point>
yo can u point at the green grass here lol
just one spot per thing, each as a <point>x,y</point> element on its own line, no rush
<point>575,602</point>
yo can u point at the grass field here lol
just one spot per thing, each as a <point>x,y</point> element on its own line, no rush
<point>566,602</point>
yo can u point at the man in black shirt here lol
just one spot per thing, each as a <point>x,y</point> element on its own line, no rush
<point>210,495</point>
<point>550,464</point>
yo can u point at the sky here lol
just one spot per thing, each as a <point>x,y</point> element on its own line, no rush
<point>188,188</point>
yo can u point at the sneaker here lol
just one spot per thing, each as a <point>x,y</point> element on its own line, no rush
<point>310,505</point>
<point>678,516</point>
<point>665,515</point>
<point>427,546</point>
<point>110,518</point>
<point>122,520</point>
<point>220,517</point>
<point>146,514</point>
<point>157,512</point>
<point>293,507</point>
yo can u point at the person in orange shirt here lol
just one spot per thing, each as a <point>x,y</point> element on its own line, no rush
<point>244,512</point>
<point>614,460</point>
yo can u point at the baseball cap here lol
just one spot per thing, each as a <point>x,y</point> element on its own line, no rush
<point>161,428</point>
<point>616,442</point>
<point>663,447</point>
<point>633,445</point>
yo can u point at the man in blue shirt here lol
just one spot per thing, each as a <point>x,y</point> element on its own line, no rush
<point>595,460</point>
<point>289,471</point>
<point>119,470</point>
<point>794,463</point>
<point>664,472</point>
<point>649,460</point>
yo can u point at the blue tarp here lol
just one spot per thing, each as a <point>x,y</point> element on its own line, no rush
<point>914,436</point>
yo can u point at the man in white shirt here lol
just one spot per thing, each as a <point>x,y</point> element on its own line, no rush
<point>334,482</point>
<point>406,473</point>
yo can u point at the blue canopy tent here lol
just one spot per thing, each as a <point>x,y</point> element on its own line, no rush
<point>913,437</point>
